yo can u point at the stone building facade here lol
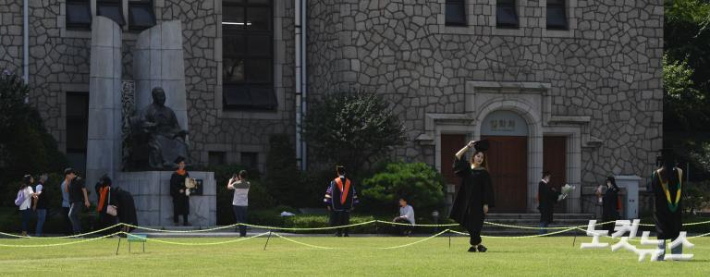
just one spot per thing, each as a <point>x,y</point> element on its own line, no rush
<point>589,94</point>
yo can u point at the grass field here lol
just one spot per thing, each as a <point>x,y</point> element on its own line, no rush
<point>354,256</point>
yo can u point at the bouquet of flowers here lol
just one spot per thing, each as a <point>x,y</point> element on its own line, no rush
<point>564,191</point>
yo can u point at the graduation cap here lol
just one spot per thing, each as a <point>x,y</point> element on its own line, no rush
<point>481,146</point>
<point>668,157</point>
<point>179,159</point>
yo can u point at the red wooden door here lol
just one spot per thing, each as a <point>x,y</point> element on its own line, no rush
<point>450,144</point>
<point>508,166</point>
<point>554,159</point>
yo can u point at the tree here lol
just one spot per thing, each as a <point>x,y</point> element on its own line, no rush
<point>353,129</point>
<point>419,183</point>
<point>25,144</point>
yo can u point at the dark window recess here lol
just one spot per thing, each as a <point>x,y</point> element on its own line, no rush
<point>140,15</point>
<point>78,14</point>
<point>455,12</point>
<point>111,9</point>
<point>556,15</point>
<point>216,158</point>
<point>250,160</point>
<point>77,122</point>
<point>248,52</point>
<point>506,14</point>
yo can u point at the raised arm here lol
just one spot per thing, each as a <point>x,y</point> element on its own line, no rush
<point>464,149</point>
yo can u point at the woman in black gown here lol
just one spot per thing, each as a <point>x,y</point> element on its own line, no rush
<point>475,195</point>
<point>610,204</point>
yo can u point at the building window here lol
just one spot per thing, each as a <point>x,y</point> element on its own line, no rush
<point>556,15</point>
<point>141,15</point>
<point>250,160</point>
<point>456,12</point>
<point>77,122</point>
<point>216,158</point>
<point>78,14</point>
<point>247,46</point>
<point>111,9</point>
<point>506,14</point>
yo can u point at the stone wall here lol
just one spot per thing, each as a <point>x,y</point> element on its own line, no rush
<point>59,63</point>
<point>606,67</point>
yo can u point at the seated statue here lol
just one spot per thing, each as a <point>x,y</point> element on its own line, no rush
<point>158,127</point>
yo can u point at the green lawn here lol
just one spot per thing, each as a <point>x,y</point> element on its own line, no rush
<point>355,256</point>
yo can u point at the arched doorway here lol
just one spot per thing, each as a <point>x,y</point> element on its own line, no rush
<point>507,132</point>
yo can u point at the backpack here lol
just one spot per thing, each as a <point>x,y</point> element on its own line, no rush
<point>20,198</point>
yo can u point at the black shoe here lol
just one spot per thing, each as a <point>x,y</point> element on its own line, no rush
<point>346,235</point>
<point>472,249</point>
<point>187,224</point>
<point>482,248</point>
<point>338,234</point>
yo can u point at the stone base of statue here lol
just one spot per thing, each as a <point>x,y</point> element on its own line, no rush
<point>154,205</point>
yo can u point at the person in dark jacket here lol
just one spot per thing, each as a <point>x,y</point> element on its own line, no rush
<point>610,204</point>
<point>547,198</point>
<point>105,197</point>
<point>181,202</point>
<point>475,195</point>
<point>340,199</point>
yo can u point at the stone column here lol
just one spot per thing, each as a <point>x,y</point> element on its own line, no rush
<point>104,134</point>
<point>158,62</point>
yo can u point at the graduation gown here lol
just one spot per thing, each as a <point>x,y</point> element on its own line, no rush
<point>668,222</point>
<point>610,206</point>
<point>547,199</point>
<point>475,191</point>
<point>181,202</point>
<point>126,206</point>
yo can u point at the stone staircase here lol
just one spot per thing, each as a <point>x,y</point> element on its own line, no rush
<point>531,220</point>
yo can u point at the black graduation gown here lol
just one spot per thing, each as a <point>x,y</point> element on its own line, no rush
<point>668,223</point>
<point>547,200</point>
<point>610,212</point>
<point>126,206</point>
<point>181,202</point>
<point>475,191</point>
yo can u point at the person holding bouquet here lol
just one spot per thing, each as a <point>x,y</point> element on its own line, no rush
<point>475,195</point>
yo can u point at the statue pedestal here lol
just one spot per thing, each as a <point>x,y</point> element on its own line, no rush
<point>154,205</point>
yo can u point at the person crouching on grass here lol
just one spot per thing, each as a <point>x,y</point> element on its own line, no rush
<point>406,216</point>
<point>475,195</point>
<point>340,199</point>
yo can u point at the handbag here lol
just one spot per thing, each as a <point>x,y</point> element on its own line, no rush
<point>111,209</point>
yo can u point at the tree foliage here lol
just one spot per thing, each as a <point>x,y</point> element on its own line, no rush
<point>686,65</point>
<point>353,128</point>
<point>25,144</point>
<point>419,183</point>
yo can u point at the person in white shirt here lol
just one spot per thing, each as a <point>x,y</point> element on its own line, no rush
<point>26,205</point>
<point>240,202</point>
<point>406,216</point>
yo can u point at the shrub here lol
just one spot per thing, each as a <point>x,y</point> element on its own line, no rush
<point>421,184</point>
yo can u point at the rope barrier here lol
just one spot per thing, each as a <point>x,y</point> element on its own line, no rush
<point>64,237</point>
<point>201,243</point>
<point>181,231</point>
<point>307,228</point>
<point>57,244</point>
<point>301,243</point>
<point>416,242</point>
<point>560,229</point>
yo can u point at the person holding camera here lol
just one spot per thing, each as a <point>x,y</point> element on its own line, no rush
<point>240,202</point>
